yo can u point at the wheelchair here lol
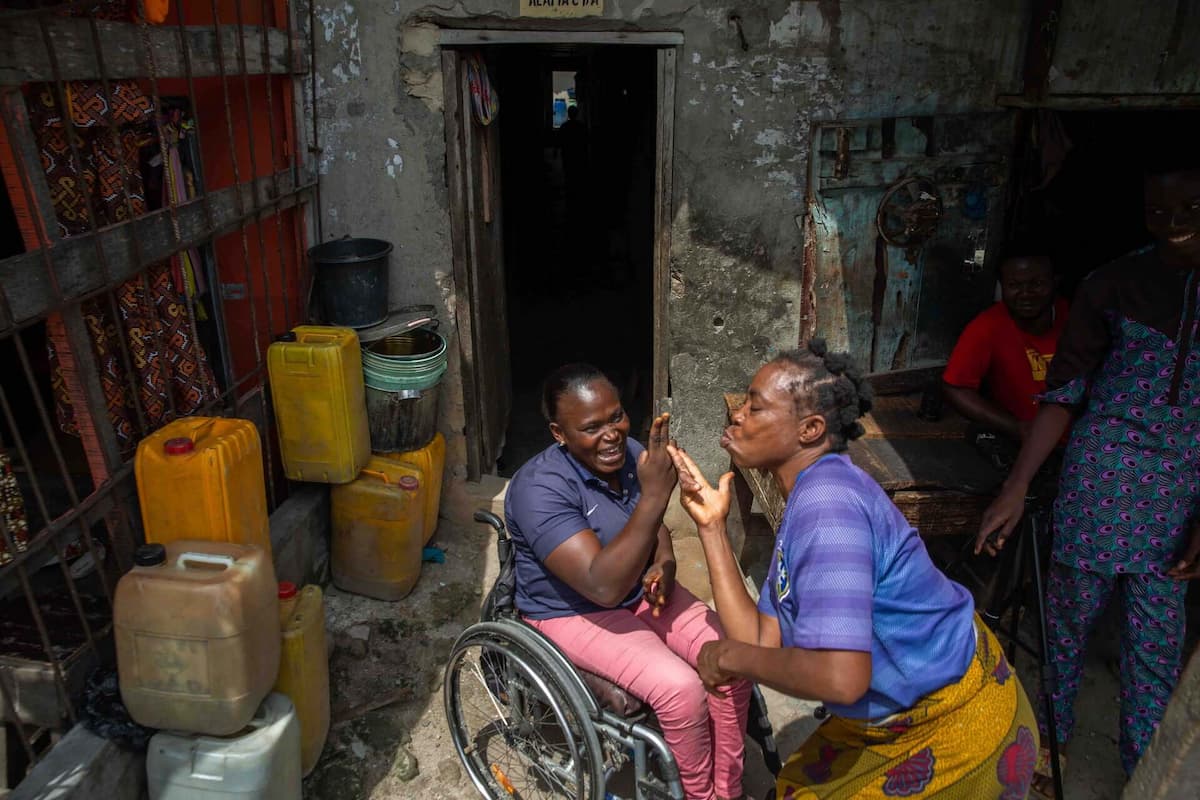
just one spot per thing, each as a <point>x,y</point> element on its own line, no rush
<point>526,723</point>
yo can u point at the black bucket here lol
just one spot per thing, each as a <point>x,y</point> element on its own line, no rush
<point>352,280</point>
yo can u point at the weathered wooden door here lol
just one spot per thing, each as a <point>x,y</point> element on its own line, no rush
<point>897,298</point>
<point>473,173</point>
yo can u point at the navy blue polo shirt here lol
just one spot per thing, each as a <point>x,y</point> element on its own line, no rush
<point>550,499</point>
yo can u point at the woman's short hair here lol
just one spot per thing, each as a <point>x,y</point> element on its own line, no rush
<point>831,385</point>
<point>564,380</point>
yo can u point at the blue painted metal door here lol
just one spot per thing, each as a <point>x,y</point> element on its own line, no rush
<point>896,289</point>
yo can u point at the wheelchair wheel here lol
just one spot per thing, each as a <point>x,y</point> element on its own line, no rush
<point>518,731</point>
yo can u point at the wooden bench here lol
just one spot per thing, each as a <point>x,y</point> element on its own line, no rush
<point>929,469</point>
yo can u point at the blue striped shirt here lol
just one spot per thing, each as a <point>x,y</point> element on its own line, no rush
<point>850,573</point>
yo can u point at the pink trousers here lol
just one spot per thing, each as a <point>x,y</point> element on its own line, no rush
<point>654,659</point>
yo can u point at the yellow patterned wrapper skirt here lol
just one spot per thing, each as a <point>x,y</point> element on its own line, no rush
<point>976,738</point>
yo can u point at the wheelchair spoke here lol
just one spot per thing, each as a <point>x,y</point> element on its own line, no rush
<point>483,682</point>
<point>513,737</point>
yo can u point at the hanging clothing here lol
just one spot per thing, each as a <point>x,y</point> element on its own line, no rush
<point>87,160</point>
<point>99,165</point>
<point>12,508</point>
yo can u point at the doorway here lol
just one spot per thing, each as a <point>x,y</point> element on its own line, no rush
<point>565,210</point>
<point>1086,207</point>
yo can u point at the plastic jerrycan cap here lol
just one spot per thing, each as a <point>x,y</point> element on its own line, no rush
<point>150,555</point>
<point>180,445</point>
<point>290,336</point>
<point>287,590</point>
<point>408,483</point>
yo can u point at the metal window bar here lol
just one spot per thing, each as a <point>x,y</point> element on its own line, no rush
<point>58,275</point>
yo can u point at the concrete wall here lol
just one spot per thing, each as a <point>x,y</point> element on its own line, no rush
<point>743,121</point>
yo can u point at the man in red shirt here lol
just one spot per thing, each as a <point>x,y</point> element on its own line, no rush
<point>999,362</point>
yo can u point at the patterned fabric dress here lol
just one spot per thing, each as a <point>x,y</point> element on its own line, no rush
<point>1130,484</point>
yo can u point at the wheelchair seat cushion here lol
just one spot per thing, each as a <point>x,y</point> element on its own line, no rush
<point>610,696</point>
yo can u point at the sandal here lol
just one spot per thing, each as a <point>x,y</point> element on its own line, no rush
<point>1042,785</point>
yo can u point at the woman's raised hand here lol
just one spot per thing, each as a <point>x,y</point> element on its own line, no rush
<point>656,470</point>
<point>704,504</point>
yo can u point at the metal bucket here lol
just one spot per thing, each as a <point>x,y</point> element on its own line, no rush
<point>402,374</point>
<point>352,280</point>
<point>403,420</point>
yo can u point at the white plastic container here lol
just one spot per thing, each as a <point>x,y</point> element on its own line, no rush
<point>261,762</point>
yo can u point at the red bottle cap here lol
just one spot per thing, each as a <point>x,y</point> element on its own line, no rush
<point>178,446</point>
<point>287,590</point>
<point>409,483</point>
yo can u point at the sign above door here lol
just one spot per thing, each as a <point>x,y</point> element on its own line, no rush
<point>561,9</point>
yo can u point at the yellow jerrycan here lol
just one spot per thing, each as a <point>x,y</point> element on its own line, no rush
<point>430,460</point>
<point>378,530</point>
<point>304,667</point>
<point>196,626</point>
<point>320,403</point>
<point>202,478</point>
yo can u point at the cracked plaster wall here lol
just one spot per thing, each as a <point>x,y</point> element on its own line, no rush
<point>743,117</point>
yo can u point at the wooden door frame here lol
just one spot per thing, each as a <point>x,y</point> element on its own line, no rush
<point>459,186</point>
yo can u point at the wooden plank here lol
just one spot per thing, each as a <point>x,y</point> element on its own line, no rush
<point>29,290</point>
<point>869,171</point>
<point>903,464</point>
<point>460,37</point>
<point>903,381</point>
<point>482,291</point>
<point>454,114</point>
<point>24,58</point>
<point>942,482</point>
<point>25,181</point>
<point>502,398</point>
<point>942,512</point>
<point>1101,102</point>
<point>664,143</point>
<point>489,300</point>
<point>28,188</point>
<point>898,416</point>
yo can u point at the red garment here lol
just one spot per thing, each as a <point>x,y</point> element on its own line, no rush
<point>993,352</point>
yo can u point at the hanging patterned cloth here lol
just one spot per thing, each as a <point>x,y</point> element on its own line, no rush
<point>12,508</point>
<point>100,165</point>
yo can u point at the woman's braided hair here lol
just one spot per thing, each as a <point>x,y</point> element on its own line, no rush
<point>831,385</point>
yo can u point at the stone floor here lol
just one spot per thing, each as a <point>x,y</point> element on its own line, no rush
<point>390,739</point>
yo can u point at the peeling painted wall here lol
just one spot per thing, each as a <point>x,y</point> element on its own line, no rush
<point>749,92</point>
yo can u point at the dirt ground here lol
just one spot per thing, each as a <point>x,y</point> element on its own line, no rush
<point>390,741</point>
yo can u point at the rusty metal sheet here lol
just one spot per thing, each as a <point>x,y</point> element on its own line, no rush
<point>1116,47</point>
<point>901,307</point>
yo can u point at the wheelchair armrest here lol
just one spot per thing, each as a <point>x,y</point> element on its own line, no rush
<point>488,518</point>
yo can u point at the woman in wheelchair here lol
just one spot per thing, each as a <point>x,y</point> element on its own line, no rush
<point>595,573</point>
<point>919,697</point>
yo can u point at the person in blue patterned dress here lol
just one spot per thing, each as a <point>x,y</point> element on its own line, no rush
<point>1126,378</point>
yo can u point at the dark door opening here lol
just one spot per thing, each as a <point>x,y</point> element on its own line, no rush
<point>577,161</point>
<point>1091,210</point>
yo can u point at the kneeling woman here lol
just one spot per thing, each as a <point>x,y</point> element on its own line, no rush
<point>854,614</point>
<point>596,574</point>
